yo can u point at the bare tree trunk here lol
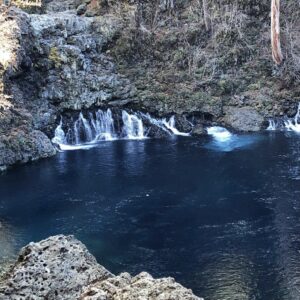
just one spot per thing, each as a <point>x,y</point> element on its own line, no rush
<point>275,32</point>
<point>206,15</point>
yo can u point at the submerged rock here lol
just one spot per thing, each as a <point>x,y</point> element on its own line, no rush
<point>61,267</point>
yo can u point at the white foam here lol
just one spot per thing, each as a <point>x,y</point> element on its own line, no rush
<point>272,125</point>
<point>294,125</point>
<point>133,127</point>
<point>171,126</point>
<point>219,133</point>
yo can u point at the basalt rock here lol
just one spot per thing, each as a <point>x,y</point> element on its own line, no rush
<point>61,267</point>
<point>243,119</point>
<point>51,63</point>
<point>20,141</point>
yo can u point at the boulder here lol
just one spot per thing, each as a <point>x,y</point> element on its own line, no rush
<point>81,9</point>
<point>142,286</point>
<point>243,118</point>
<point>61,268</point>
<point>198,130</point>
<point>55,268</point>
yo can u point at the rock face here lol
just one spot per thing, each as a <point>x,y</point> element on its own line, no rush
<point>75,72</point>
<point>61,267</point>
<point>20,141</point>
<point>51,63</point>
<point>244,119</point>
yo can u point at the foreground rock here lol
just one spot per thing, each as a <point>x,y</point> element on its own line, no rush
<point>142,286</point>
<point>61,267</point>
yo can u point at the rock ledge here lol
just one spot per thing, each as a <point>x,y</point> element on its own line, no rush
<point>61,267</point>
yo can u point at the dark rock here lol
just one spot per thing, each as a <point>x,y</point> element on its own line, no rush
<point>182,124</point>
<point>81,9</point>
<point>198,130</point>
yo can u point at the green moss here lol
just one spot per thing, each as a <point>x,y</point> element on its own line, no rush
<point>55,57</point>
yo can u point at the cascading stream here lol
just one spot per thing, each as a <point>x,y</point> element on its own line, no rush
<point>133,127</point>
<point>294,125</point>
<point>167,126</point>
<point>100,126</point>
<point>287,124</point>
<point>171,126</point>
<point>272,125</point>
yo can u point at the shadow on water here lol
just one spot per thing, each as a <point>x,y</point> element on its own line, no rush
<point>221,216</point>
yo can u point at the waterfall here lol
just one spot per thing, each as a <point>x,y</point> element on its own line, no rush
<point>156,122</point>
<point>86,131</point>
<point>272,125</point>
<point>293,125</point>
<point>87,128</point>
<point>167,126</point>
<point>171,126</point>
<point>133,126</point>
<point>219,133</point>
<point>59,134</point>
<point>103,125</point>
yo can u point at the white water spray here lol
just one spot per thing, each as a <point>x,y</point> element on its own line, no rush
<point>133,126</point>
<point>294,125</point>
<point>87,128</point>
<point>219,133</point>
<point>103,125</point>
<point>171,126</point>
<point>100,126</point>
<point>156,122</point>
<point>59,134</point>
<point>272,125</point>
<point>86,131</point>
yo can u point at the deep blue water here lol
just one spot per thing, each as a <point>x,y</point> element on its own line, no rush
<point>223,218</point>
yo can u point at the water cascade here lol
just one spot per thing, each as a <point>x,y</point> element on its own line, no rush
<point>167,126</point>
<point>133,126</point>
<point>100,126</point>
<point>171,126</point>
<point>59,134</point>
<point>85,131</point>
<point>289,124</point>
<point>103,125</point>
<point>293,125</point>
<point>272,125</point>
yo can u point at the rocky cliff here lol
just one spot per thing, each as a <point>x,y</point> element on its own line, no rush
<point>61,267</point>
<point>208,59</point>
